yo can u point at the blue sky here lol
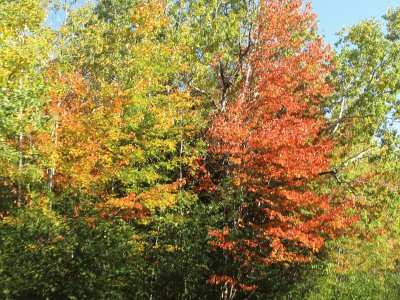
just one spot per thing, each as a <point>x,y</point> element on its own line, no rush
<point>334,14</point>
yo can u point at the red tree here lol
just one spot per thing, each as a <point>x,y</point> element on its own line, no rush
<point>269,145</point>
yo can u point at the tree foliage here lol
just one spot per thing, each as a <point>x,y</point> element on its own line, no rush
<point>196,149</point>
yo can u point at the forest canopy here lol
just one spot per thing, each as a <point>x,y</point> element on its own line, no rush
<point>197,149</point>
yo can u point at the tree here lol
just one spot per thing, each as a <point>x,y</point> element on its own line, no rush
<point>148,147</point>
<point>215,37</point>
<point>24,54</point>
<point>269,149</point>
<point>363,118</point>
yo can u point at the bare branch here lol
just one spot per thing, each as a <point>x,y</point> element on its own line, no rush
<point>335,172</point>
<point>355,158</point>
<point>342,104</point>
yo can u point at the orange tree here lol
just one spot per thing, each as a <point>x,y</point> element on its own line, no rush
<point>266,153</point>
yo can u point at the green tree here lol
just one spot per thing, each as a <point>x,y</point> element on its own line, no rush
<point>365,165</point>
<point>25,50</point>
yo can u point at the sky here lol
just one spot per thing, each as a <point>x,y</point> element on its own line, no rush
<point>334,14</point>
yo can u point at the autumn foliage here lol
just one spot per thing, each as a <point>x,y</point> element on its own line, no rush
<point>196,149</point>
<point>269,145</point>
<point>80,145</point>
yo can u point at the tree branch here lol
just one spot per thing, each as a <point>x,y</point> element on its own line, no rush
<point>335,172</point>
